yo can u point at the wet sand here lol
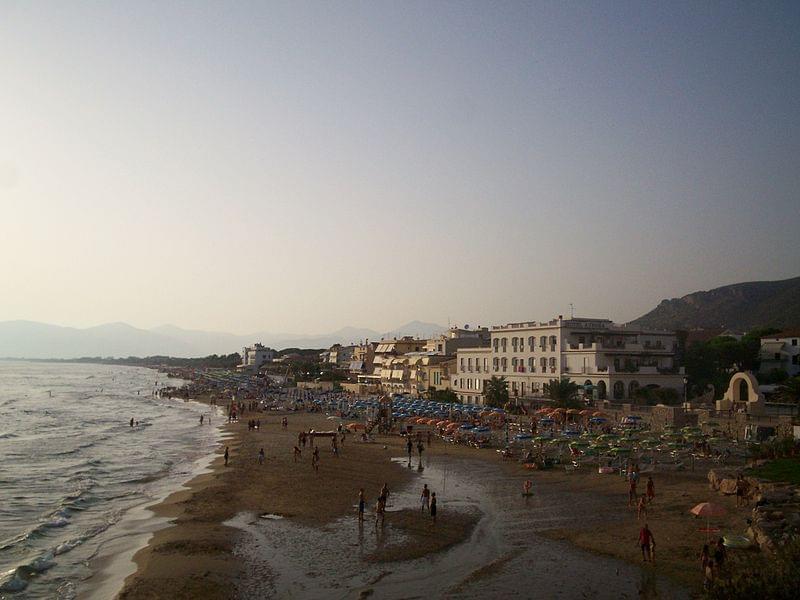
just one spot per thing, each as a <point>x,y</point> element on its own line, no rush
<point>489,539</point>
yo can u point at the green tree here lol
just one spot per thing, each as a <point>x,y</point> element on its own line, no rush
<point>563,391</point>
<point>789,391</point>
<point>496,392</point>
<point>443,395</point>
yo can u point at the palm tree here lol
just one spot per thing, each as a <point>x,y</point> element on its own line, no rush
<point>563,391</point>
<point>496,392</point>
<point>789,390</point>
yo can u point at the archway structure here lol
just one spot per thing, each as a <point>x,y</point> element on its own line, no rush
<point>743,395</point>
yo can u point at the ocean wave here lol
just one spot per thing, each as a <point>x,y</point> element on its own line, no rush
<point>16,579</point>
<point>7,435</point>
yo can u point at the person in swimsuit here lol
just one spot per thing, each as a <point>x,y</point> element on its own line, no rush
<point>651,489</point>
<point>409,447</point>
<point>526,487</point>
<point>641,508</point>
<point>380,512</point>
<point>261,456</point>
<point>297,454</point>
<point>433,507</point>
<point>425,498</point>
<point>227,455</point>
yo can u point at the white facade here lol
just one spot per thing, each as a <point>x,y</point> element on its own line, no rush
<point>614,359</point>
<point>781,352</point>
<point>256,356</point>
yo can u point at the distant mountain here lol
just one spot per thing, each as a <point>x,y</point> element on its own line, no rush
<point>28,339</point>
<point>742,306</point>
<point>416,329</point>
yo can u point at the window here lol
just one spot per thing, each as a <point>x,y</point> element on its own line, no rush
<point>522,344</point>
<point>469,364</point>
<point>543,342</point>
<point>543,363</point>
<point>531,342</point>
<point>495,363</point>
<point>504,344</point>
<point>495,341</point>
<point>532,364</point>
<point>552,362</point>
<point>553,342</point>
<point>514,364</point>
<point>514,344</point>
<point>477,384</point>
<point>795,359</point>
<point>462,363</point>
<point>485,364</point>
<point>504,364</point>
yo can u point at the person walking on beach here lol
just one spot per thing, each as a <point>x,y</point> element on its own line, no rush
<point>227,455</point>
<point>646,538</point>
<point>315,459</point>
<point>651,489</point>
<point>297,454</point>
<point>362,502</point>
<point>131,421</point>
<point>409,447</point>
<point>741,486</point>
<point>261,456</point>
<point>641,508</point>
<point>632,495</point>
<point>385,492</point>
<point>705,558</point>
<point>433,507</point>
<point>334,446</point>
<point>420,448</point>
<point>201,419</point>
<point>380,512</point>
<point>425,498</point>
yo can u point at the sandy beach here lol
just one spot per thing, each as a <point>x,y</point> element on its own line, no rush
<point>282,530</point>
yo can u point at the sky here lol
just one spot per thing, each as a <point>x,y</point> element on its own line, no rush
<point>302,166</point>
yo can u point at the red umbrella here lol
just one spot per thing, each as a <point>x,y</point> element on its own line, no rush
<point>708,510</point>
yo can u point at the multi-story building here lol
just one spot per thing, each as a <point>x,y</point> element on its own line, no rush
<point>414,372</point>
<point>254,357</point>
<point>338,355</point>
<point>458,337</point>
<point>612,360</point>
<point>781,351</point>
<point>363,358</point>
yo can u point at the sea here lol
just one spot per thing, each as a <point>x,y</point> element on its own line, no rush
<point>76,479</point>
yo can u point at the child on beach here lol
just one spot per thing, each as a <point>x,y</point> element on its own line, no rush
<point>526,487</point>
<point>641,509</point>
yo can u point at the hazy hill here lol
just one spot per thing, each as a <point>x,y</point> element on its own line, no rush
<point>741,306</point>
<point>28,339</point>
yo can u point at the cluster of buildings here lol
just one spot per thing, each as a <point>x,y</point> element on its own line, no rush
<point>606,360</point>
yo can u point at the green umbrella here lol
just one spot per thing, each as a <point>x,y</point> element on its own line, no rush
<point>579,444</point>
<point>620,451</point>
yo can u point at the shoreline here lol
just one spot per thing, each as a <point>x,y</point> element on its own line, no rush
<point>114,563</point>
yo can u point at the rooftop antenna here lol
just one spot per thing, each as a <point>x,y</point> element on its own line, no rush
<point>571,310</point>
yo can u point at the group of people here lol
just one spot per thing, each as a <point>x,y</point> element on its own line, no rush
<point>640,502</point>
<point>427,500</point>
<point>712,560</point>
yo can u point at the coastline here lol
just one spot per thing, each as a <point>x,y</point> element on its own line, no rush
<point>112,565</point>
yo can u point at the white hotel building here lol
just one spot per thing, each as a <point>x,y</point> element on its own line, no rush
<point>615,359</point>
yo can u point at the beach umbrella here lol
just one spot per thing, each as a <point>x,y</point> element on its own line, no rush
<point>579,443</point>
<point>586,412</point>
<point>597,413</point>
<point>573,411</point>
<point>708,510</point>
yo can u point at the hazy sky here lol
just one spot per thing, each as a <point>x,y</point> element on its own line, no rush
<point>303,166</point>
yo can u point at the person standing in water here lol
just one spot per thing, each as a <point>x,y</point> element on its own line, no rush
<point>131,421</point>
<point>409,447</point>
<point>261,456</point>
<point>227,455</point>
<point>201,419</point>
<point>433,507</point>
